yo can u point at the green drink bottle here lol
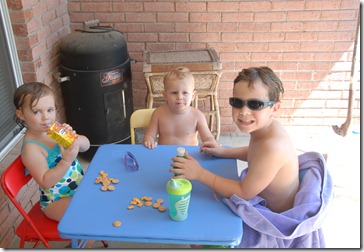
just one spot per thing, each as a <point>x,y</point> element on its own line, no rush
<point>180,153</point>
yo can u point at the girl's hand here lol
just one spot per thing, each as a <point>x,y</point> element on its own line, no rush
<point>71,153</point>
<point>188,167</point>
<point>68,127</point>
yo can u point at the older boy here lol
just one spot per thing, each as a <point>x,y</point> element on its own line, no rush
<point>272,159</point>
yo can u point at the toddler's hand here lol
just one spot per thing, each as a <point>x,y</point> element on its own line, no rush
<point>150,144</point>
<point>71,153</point>
<point>68,127</point>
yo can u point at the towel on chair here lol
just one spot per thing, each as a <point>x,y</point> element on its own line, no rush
<point>298,227</point>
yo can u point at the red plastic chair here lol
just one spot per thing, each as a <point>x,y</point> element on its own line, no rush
<point>35,227</point>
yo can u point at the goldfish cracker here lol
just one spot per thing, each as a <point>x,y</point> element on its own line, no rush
<point>58,133</point>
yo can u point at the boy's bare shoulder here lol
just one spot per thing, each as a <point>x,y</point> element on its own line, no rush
<point>277,142</point>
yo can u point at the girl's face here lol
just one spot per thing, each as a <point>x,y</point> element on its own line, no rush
<point>249,120</point>
<point>179,94</point>
<point>41,115</point>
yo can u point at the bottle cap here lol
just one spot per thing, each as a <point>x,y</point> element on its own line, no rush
<point>180,151</point>
<point>178,186</point>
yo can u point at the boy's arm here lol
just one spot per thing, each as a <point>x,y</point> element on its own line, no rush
<point>264,164</point>
<point>215,149</point>
<point>263,167</point>
<point>203,128</point>
<point>151,131</point>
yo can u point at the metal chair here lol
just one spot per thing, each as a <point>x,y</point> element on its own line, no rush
<point>35,227</point>
<point>139,119</point>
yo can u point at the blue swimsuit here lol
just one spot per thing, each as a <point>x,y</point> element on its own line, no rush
<point>67,186</point>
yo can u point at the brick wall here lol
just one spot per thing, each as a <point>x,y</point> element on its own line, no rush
<point>309,44</point>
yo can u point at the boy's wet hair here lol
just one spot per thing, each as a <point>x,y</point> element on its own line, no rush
<point>35,90</point>
<point>267,76</point>
<point>178,73</point>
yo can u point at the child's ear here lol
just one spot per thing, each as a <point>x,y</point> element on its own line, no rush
<point>276,108</point>
<point>193,95</point>
<point>19,114</point>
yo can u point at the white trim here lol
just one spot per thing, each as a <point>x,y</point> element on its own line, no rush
<point>5,19</point>
<point>14,64</point>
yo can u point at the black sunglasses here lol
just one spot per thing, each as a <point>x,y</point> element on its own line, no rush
<point>252,104</point>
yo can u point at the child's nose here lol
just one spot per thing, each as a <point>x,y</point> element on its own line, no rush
<point>44,116</point>
<point>244,110</point>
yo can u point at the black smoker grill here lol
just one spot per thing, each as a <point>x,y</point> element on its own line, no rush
<point>96,84</point>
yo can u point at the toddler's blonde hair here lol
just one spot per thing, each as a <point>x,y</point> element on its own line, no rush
<point>179,73</point>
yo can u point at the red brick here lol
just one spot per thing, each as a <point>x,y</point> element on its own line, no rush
<point>140,17</point>
<point>173,37</point>
<point>267,56</point>
<point>159,47</point>
<point>130,27</point>
<point>346,25</point>
<point>159,7</point>
<point>159,27</point>
<point>322,5</point>
<point>172,17</point>
<point>189,46</point>
<point>272,16</point>
<point>204,37</point>
<point>146,37</point>
<point>73,7</point>
<point>205,17</point>
<point>339,15</point>
<point>236,37</point>
<point>255,6</point>
<point>110,17</point>
<point>337,36</point>
<point>320,26</point>
<point>238,17</point>
<point>235,56</point>
<point>301,36</point>
<point>284,46</point>
<point>119,7</point>
<point>191,7</point>
<point>272,36</point>
<point>288,5</point>
<point>96,7</point>
<point>298,56</point>
<point>226,6</point>
<point>222,27</point>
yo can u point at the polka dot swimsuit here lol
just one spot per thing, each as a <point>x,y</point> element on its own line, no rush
<point>67,186</point>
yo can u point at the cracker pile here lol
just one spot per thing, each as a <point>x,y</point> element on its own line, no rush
<point>105,181</point>
<point>147,202</point>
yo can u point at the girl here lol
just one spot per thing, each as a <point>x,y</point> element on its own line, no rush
<point>56,170</point>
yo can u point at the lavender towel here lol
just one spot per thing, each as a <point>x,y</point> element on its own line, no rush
<point>298,227</point>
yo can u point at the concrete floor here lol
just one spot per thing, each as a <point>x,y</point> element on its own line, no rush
<point>342,224</point>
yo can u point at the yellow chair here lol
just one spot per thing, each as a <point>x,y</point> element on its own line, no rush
<point>139,119</point>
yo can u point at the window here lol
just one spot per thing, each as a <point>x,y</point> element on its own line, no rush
<point>10,78</point>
